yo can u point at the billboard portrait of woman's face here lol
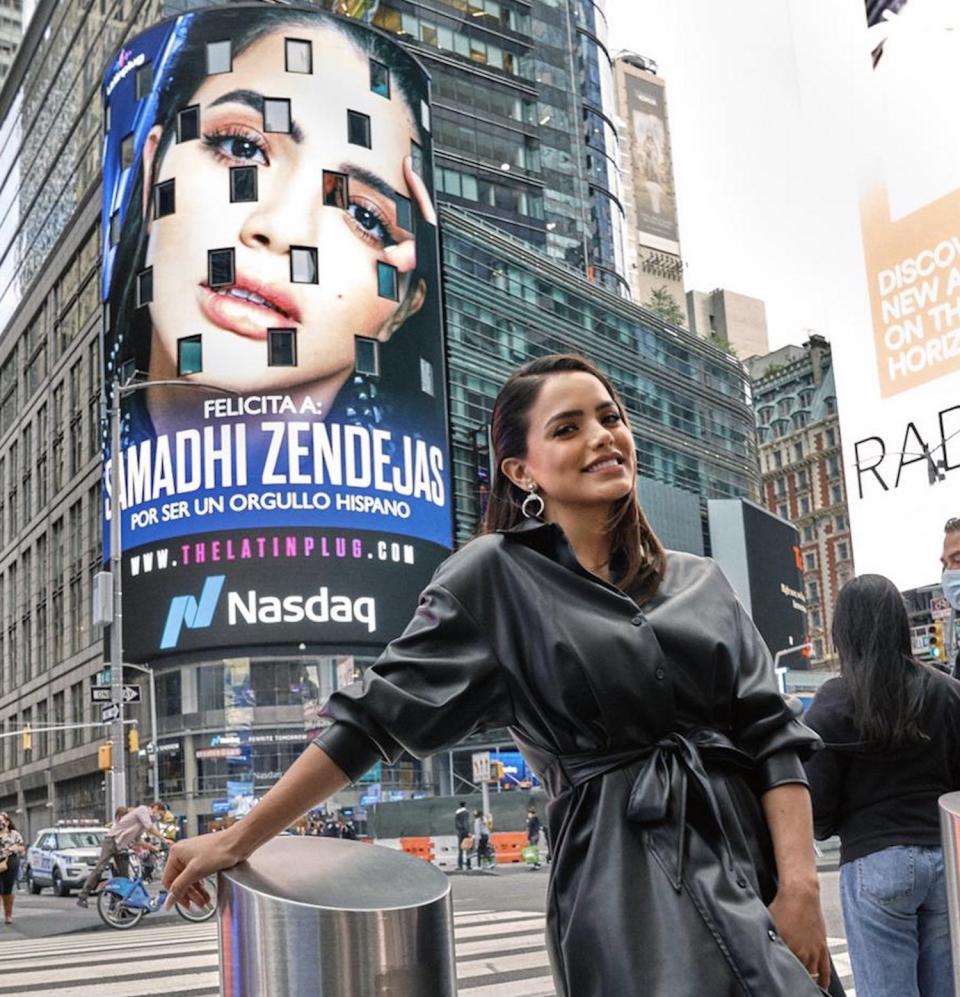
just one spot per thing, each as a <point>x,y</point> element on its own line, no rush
<point>270,242</point>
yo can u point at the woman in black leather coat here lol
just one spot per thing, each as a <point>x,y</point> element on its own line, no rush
<point>639,691</point>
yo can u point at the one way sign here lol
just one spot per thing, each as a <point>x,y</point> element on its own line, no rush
<point>104,693</point>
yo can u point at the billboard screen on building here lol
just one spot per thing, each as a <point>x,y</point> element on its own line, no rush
<point>270,272</point>
<point>651,164</point>
<point>760,555</point>
<point>898,358</point>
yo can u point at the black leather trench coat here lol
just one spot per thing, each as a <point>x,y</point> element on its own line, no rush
<point>653,729</point>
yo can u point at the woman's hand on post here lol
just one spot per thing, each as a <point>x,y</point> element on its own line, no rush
<point>191,861</point>
<point>799,919</point>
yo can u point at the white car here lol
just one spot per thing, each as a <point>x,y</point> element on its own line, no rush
<point>63,857</point>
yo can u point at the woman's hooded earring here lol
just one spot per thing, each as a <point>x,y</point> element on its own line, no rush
<point>532,499</point>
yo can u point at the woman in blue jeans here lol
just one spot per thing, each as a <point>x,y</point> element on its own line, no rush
<point>891,729</point>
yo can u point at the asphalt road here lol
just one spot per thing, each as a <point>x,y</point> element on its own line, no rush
<point>508,888</point>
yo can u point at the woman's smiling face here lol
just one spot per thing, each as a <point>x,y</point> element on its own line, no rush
<point>289,211</point>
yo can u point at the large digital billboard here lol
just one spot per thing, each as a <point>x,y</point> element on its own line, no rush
<point>272,307</point>
<point>650,160</point>
<point>898,357</point>
<point>760,555</point>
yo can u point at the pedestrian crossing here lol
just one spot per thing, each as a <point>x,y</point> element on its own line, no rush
<point>499,954</point>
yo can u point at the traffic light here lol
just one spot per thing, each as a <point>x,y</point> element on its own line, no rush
<point>26,739</point>
<point>105,756</point>
<point>496,771</point>
<point>937,645</point>
<point>133,740</point>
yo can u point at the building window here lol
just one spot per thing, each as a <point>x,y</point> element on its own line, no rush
<point>298,54</point>
<point>168,686</point>
<point>219,58</point>
<point>164,198</point>
<point>276,115</point>
<point>189,355</point>
<point>416,158</point>
<point>367,356</point>
<point>188,123</point>
<point>303,265</point>
<point>126,152</point>
<point>831,437</point>
<point>840,523</point>
<point>281,347</point>
<point>836,494</point>
<point>842,552</point>
<point>220,267</point>
<point>808,533</point>
<point>777,458</point>
<point>143,80</point>
<point>804,506</point>
<point>404,212</point>
<point>144,287</point>
<point>336,190</point>
<point>783,512</point>
<point>379,78</point>
<point>358,129</point>
<point>798,451</point>
<point>388,283</point>
<point>243,183</point>
<point>810,562</point>
<point>426,377</point>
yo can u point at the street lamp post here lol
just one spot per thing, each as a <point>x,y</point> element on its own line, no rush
<point>119,771</point>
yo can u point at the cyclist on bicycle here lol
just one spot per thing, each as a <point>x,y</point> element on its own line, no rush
<point>127,829</point>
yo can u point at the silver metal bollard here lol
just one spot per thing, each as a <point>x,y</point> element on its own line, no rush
<point>950,836</point>
<point>331,918</point>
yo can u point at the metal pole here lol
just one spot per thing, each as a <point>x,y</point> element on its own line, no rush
<point>153,737</point>
<point>119,776</point>
<point>949,833</point>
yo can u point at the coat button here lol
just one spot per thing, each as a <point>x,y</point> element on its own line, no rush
<point>637,620</point>
<point>741,882</point>
<point>772,935</point>
<point>660,673</point>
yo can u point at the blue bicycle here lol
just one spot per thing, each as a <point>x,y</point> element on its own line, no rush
<point>123,902</point>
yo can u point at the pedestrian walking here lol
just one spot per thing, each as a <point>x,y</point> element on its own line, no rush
<point>461,823</point>
<point>481,839</point>
<point>127,830</point>
<point>950,580</point>
<point>640,694</point>
<point>11,848</point>
<point>891,727</point>
<point>533,835</point>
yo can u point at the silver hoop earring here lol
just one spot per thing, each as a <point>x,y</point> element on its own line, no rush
<point>532,497</point>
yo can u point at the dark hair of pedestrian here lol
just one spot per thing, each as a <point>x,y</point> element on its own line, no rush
<point>10,824</point>
<point>871,631</point>
<point>635,548</point>
<point>462,804</point>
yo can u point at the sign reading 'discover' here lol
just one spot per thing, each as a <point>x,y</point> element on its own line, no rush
<point>271,272</point>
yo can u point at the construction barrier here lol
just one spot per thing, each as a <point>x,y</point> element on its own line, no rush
<point>422,848</point>
<point>509,846</point>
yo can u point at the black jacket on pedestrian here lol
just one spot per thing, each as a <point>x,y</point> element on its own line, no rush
<point>875,797</point>
<point>461,821</point>
<point>652,726</point>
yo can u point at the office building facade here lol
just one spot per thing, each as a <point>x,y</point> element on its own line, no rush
<point>730,320</point>
<point>511,293</point>
<point>800,459</point>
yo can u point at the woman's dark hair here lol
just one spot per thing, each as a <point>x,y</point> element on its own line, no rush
<point>633,542</point>
<point>10,824</point>
<point>871,631</point>
<point>176,88</point>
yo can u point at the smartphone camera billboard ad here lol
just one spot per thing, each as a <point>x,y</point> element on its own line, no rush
<point>272,311</point>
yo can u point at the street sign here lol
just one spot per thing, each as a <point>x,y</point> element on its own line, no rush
<point>103,693</point>
<point>481,766</point>
<point>109,712</point>
<point>940,609</point>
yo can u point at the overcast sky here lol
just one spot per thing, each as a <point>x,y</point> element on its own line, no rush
<point>750,218</point>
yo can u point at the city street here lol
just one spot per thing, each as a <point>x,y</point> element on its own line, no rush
<point>55,947</point>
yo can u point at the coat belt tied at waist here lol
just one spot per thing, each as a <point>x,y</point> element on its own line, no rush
<point>669,767</point>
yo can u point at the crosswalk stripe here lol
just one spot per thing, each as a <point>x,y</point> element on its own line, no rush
<point>498,953</point>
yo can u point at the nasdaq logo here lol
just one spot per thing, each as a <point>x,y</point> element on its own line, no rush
<point>194,614</point>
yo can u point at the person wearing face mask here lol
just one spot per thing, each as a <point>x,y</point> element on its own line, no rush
<point>11,848</point>
<point>950,579</point>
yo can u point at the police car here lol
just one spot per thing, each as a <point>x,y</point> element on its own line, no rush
<point>63,857</point>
